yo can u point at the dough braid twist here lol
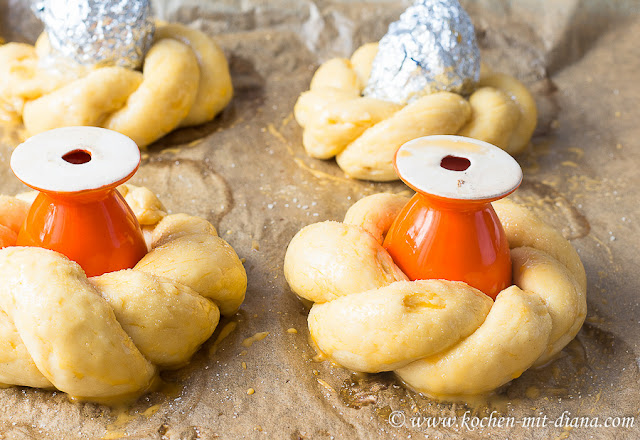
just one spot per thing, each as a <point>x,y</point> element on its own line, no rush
<point>441,337</point>
<point>184,81</point>
<point>107,336</point>
<point>364,133</point>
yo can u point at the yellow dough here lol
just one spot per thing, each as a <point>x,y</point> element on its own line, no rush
<point>106,337</point>
<point>69,331</point>
<point>364,133</point>
<point>344,120</point>
<point>370,156</point>
<point>184,81</point>
<point>145,205</point>
<point>519,94</point>
<point>224,281</point>
<point>87,101</point>
<point>513,336</point>
<point>443,338</point>
<point>170,83</point>
<point>13,211</point>
<point>167,326</point>
<point>376,213</point>
<point>494,117</point>
<point>362,60</point>
<point>420,318</point>
<point>327,260</point>
<point>214,88</point>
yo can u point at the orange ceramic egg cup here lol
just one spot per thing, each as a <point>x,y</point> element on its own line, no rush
<point>449,229</point>
<point>78,211</point>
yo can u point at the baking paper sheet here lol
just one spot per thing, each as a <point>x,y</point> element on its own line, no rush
<point>247,173</point>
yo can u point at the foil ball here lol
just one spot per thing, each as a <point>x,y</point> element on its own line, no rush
<point>104,32</point>
<point>432,47</point>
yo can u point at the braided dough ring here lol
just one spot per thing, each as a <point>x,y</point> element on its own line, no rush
<point>364,133</point>
<point>106,337</point>
<point>184,81</point>
<point>442,338</point>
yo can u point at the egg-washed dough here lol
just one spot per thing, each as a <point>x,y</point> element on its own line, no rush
<point>364,133</point>
<point>184,81</point>
<point>443,338</point>
<point>106,337</point>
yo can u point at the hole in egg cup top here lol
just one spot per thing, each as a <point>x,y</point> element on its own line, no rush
<point>455,163</point>
<point>78,211</point>
<point>449,230</point>
<point>77,157</point>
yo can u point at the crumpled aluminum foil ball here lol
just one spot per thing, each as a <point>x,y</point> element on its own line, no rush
<point>105,32</point>
<point>432,47</point>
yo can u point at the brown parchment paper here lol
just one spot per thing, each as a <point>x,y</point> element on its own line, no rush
<point>247,173</point>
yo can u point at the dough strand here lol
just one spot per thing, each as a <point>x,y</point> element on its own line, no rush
<point>364,133</point>
<point>185,81</point>
<point>443,338</point>
<point>106,337</point>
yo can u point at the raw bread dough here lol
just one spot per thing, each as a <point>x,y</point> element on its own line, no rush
<point>442,338</point>
<point>364,133</point>
<point>184,81</point>
<point>105,337</point>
